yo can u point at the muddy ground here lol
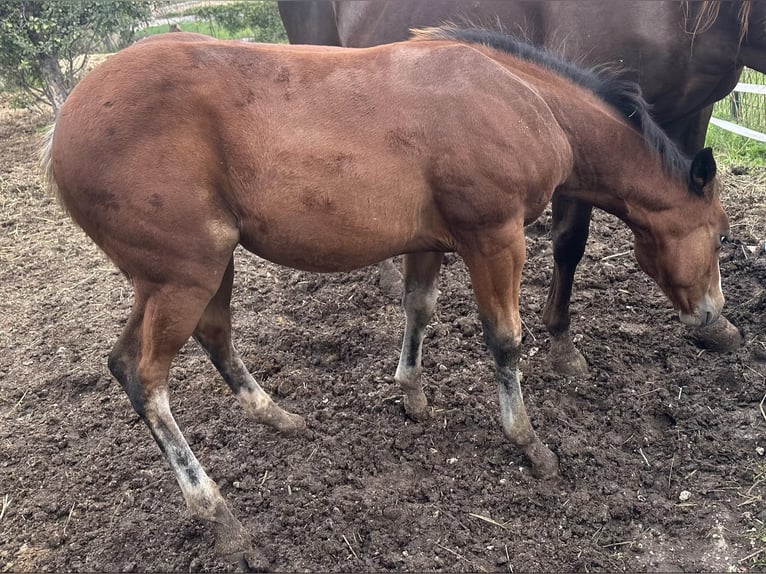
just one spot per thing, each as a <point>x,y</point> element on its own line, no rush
<point>661,446</point>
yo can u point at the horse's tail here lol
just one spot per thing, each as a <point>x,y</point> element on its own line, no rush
<point>46,165</point>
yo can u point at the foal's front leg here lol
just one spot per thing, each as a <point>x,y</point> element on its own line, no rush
<point>495,268</point>
<point>420,293</point>
<point>571,224</point>
<point>513,414</point>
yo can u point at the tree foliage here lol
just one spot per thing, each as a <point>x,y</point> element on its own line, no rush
<point>260,17</point>
<point>44,44</point>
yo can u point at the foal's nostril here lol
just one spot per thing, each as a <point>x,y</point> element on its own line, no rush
<point>708,317</point>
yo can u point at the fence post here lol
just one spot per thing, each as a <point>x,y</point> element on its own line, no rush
<point>734,105</point>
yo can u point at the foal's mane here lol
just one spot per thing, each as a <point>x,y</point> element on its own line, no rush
<point>622,95</point>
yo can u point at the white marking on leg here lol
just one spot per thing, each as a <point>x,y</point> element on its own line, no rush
<point>418,306</point>
<point>258,405</point>
<point>199,491</point>
<point>506,408</point>
<point>513,414</point>
<point>254,400</point>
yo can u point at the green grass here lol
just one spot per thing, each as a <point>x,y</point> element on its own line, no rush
<point>751,113</point>
<point>731,149</point>
<point>200,27</point>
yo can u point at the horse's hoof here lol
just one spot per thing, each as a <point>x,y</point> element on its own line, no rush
<point>416,406</point>
<point>250,561</point>
<point>281,420</point>
<point>234,544</point>
<point>720,337</point>
<point>568,361</point>
<point>291,423</point>
<point>545,464</point>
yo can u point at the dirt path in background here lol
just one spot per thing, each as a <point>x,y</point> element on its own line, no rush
<point>84,488</point>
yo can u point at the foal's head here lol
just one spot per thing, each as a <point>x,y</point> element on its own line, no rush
<point>680,247</point>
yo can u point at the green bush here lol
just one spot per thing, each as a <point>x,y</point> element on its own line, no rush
<point>44,44</point>
<point>257,20</point>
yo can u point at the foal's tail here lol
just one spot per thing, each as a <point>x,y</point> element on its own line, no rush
<point>46,165</point>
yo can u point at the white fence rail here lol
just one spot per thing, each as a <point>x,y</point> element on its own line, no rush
<point>738,129</point>
<point>744,88</point>
<point>751,88</point>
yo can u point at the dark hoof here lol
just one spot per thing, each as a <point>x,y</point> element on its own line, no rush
<point>281,420</point>
<point>292,425</point>
<point>250,562</point>
<point>416,406</point>
<point>234,544</point>
<point>545,464</point>
<point>719,337</point>
<point>566,359</point>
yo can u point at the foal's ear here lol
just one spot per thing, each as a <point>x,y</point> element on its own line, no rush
<point>702,171</point>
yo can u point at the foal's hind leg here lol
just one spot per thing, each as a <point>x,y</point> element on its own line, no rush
<point>571,222</point>
<point>495,268</point>
<point>390,281</point>
<point>162,320</point>
<point>213,332</point>
<point>420,273</point>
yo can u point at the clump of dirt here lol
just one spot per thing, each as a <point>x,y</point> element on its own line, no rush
<point>661,446</point>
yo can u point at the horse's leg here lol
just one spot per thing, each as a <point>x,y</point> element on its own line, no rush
<point>420,273</point>
<point>690,131</point>
<point>571,222</point>
<point>162,320</point>
<point>496,277</point>
<point>213,332</point>
<point>390,281</point>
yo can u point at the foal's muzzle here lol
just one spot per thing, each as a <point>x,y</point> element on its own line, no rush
<point>707,312</point>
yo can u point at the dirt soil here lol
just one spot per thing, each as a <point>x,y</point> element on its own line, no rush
<point>661,446</point>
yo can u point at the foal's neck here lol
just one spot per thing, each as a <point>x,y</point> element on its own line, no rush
<point>614,170</point>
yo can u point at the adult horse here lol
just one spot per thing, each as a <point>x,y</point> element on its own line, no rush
<point>172,153</point>
<point>684,55</point>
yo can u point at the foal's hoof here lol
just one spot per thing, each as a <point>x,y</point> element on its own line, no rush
<point>416,406</point>
<point>281,420</point>
<point>235,545</point>
<point>720,337</point>
<point>566,359</point>
<point>291,424</point>
<point>545,464</point>
<point>573,365</point>
<point>249,561</point>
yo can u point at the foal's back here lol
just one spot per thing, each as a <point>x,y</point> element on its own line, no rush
<point>251,143</point>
